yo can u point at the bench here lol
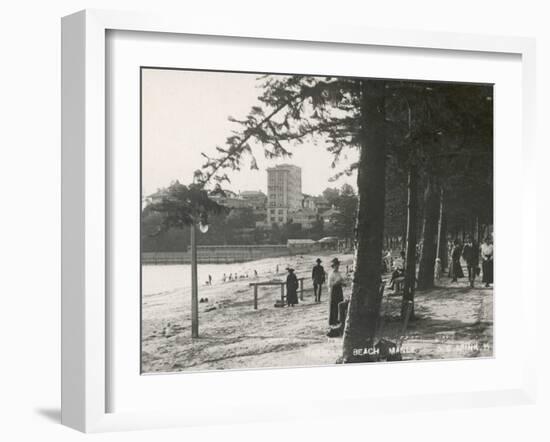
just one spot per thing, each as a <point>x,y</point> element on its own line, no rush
<point>282,284</point>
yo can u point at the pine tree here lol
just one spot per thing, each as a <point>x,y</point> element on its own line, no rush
<point>348,113</point>
<point>425,134</point>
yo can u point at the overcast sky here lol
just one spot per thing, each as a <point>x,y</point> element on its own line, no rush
<point>185,113</point>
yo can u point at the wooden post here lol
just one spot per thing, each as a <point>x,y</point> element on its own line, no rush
<point>283,293</point>
<point>255,297</point>
<point>301,289</point>
<point>194,285</point>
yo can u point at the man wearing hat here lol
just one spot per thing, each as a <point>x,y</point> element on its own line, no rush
<point>318,277</point>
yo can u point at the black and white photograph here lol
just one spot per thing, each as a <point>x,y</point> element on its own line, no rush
<point>275,221</point>
<point>300,220</point>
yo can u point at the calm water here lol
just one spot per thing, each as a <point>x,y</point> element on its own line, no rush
<point>163,278</point>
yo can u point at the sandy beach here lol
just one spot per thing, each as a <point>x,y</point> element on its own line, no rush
<point>453,321</point>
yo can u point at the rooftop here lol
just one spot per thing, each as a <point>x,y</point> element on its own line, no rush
<point>284,167</point>
<point>252,193</point>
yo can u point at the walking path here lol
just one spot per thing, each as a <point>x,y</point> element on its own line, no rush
<point>453,321</point>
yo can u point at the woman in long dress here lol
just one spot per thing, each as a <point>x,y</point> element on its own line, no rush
<point>291,288</point>
<point>487,264</point>
<point>336,293</point>
<point>455,269</point>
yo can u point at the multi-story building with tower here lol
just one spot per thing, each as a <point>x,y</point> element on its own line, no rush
<point>284,192</point>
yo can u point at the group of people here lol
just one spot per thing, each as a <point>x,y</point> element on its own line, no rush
<point>398,268</point>
<point>234,276</point>
<point>318,277</point>
<point>471,254</point>
<point>469,251</point>
<point>336,284</point>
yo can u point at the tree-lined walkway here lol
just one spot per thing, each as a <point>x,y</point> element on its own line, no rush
<point>452,321</point>
<point>423,154</point>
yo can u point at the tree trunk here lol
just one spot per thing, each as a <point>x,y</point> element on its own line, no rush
<point>410,258</point>
<point>364,307</point>
<point>443,245</point>
<point>439,224</point>
<point>429,235</point>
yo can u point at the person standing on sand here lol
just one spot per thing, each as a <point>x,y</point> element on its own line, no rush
<point>455,269</point>
<point>470,253</point>
<point>318,277</point>
<point>398,269</point>
<point>487,264</point>
<point>291,288</point>
<point>336,294</point>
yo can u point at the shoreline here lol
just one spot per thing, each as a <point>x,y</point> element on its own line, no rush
<point>167,278</point>
<point>454,322</point>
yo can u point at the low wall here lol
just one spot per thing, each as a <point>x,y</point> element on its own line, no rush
<point>297,249</point>
<point>217,254</point>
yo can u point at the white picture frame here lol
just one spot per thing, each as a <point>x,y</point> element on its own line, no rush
<point>85,205</point>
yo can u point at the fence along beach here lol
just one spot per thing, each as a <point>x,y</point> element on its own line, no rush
<point>217,254</point>
<point>224,254</point>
